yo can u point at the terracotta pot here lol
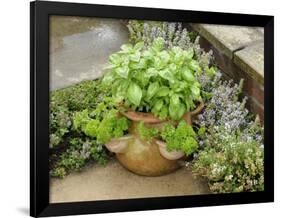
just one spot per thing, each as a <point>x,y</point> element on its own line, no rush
<point>144,158</point>
<point>148,158</point>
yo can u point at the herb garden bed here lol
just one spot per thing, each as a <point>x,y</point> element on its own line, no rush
<point>161,104</point>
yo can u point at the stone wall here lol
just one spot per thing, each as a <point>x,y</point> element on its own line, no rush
<point>239,53</point>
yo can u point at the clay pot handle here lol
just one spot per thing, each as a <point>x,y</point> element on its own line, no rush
<point>188,115</point>
<point>198,109</point>
<point>170,155</point>
<point>118,145</point>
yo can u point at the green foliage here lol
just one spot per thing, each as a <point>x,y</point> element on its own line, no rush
<point>80,151</point>
<point>146,133</point>
<point>66,143</point>
<point>181,138</point>
<point>231,143</point>
<point>65,101</point>
<point>232,164</point>
<point>155,79</point>
<point>111,125</point>
<point>137,30</point>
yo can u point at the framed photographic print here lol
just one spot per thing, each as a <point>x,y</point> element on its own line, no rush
<point>141,109</point>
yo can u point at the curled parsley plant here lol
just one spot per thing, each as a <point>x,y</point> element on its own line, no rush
<point>146,133</point>
<point>180,138</point>
<point>111,125</point>
<point>158,80</point>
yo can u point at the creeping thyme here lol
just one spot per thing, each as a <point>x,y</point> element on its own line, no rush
<point>80,151</point>
<point>71,150</point>
<point>231,142</point>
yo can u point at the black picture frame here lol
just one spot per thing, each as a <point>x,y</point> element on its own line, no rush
<point>39,108</point>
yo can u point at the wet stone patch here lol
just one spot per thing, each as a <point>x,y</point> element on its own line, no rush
<point>80,48</point>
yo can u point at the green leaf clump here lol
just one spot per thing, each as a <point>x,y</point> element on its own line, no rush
<point>232,164</point>
<point>103,130</point>
<point>180,138</point>
<point>71,149</point>
<point>64,102</point>
<point>145,132</point>
<point>154,79</point>
<point>81,150</point>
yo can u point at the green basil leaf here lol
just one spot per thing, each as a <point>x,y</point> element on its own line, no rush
<point>176,112</point>
<point>181,111</point>
<point>139,75</point>
<point>134,94</point>
<point>189,53</point>
<point>151,72</point>
<point>158,105</point>
<point>139,46</point>
<point>158,44</point>
<point>115,60</point>
<point>188,75</point>
<point>174,106</point>
<point>126,48</point>
<point>141,64</point>
<point>163,91</point>
<point>173,67</point>
<point>194,65</point>
<point>107,79</point>
<point>164,56</point>
<point>163,112</point>
<point>176,50</point>
<point>175,100</point>
<point>148,54</point>
<point>122,71</point>
<point>135,56</point>
<point>166,74</point>
<point>152,89</point>
<point>195,90</point>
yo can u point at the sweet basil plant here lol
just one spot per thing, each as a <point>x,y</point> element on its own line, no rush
<point>154,79</point>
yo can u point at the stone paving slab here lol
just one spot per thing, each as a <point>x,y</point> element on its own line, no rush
<point>251,60</point>
<point>243,45</point>
<point>114,182</point>
<point>229,38</point>
<point>80,48</point>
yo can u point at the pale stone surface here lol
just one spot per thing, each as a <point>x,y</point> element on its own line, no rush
<point>227,38</point>
<point>114,182</point>
<point>80,47</point>
<point>251,60</point>
<point>243,45</point>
